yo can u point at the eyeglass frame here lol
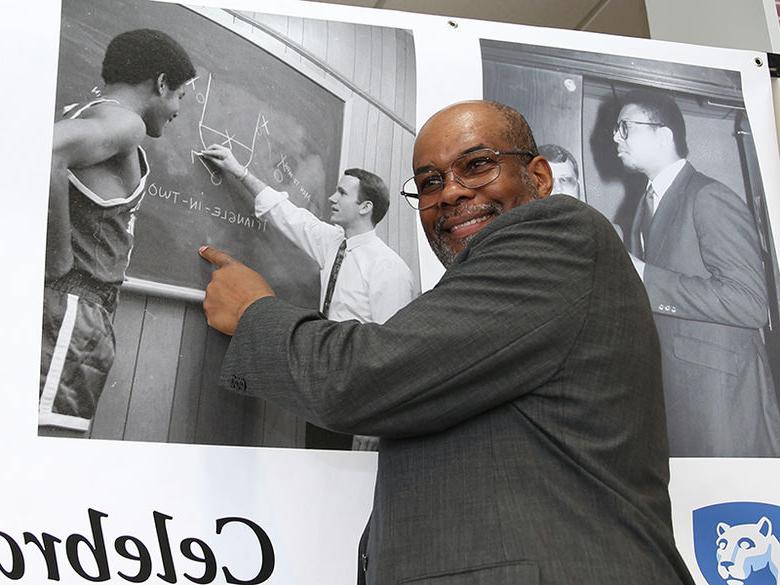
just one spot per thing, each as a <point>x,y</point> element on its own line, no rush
<point>459,180</point>
<point>621,127</point>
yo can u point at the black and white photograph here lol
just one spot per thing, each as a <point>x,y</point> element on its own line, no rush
<point>280,140</point>
<point>665,152</point>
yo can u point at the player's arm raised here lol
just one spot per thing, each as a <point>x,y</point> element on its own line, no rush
<point>81,143</point>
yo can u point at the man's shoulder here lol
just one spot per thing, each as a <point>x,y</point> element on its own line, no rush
<point>557,221</point>
<point>383,255</point>
<point>122,126</point>
<point>695,181</point>
<point>706,192</point>
<point>554,209</point>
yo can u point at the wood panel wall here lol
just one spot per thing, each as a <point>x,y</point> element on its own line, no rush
<point>163,385</point>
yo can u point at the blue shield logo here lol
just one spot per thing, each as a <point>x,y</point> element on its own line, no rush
<point>737,543</point>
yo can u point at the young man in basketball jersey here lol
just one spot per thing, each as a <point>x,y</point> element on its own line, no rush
<point>98,175</point>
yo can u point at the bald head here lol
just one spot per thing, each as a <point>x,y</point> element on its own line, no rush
<point>455,213</point>
<point>515,129</point>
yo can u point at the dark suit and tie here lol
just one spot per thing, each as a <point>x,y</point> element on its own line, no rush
<point>518,402</point>
<point>699,257</point>
<point>705,281</point>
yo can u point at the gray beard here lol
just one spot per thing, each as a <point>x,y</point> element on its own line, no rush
<point>444,253</point>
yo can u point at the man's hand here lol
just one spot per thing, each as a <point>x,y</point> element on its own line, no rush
<point>232,289</point>
<point>223,158</point>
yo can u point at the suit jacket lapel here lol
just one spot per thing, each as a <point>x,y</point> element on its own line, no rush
<point>666,212</point>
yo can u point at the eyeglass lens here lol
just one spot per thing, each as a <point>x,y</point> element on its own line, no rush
<point>471,170</point>
<point>621,128</point>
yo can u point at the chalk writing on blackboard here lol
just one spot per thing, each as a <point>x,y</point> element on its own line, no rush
<point>208,135</point>
<point>244,151</point>
<point>191,204</point>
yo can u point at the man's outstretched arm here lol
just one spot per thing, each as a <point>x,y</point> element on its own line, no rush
<point>222,158</point>
<point>416,373</point>
<point>299,225</point>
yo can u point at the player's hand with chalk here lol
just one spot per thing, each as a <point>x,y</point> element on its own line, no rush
<point>233,287</point>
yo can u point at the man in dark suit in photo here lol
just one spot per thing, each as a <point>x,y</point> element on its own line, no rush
<point>518,402</point>
<point>695,246</point>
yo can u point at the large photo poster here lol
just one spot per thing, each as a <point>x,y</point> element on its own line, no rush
<point>691,211</point>
<point>292,119</point>
<point>131,463</point>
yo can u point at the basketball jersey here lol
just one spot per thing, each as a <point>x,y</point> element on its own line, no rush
<point>102,229</point>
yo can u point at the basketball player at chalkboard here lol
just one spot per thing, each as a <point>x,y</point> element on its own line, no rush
<point>360,276</point>
<point>98,174</point>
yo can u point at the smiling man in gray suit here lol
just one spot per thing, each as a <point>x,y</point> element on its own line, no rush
<point>694,243</point>
<point>518,402</point>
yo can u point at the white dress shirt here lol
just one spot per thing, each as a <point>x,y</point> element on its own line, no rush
<point>373,283</point>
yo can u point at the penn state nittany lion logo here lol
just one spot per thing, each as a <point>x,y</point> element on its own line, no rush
<point>745,548</point>
<point>736,543</point>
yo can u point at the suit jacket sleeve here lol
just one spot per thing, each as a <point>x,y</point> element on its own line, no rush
<point>734,291</point>
<point>498,325</point>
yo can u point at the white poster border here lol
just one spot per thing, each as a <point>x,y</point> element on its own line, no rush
<point>199,484</point>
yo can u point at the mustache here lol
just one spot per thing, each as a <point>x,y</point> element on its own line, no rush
<point>493,207</point>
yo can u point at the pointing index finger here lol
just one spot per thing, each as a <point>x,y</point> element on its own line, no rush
<point>217,257</point>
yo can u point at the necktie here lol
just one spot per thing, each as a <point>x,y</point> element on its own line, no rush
<point>334,273</point>
<point>648,209</point>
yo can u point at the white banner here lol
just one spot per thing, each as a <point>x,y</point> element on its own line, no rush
<point>178,482</point>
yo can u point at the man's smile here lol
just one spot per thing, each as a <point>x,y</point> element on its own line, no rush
<point>467,220</point>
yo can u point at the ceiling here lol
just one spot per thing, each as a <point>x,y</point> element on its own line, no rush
<point>622,17</point>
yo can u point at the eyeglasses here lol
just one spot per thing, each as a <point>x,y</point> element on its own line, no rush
<point>471,170</point>
<point>621,127</point>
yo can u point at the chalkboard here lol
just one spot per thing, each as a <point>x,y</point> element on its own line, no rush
<point>280,123</point>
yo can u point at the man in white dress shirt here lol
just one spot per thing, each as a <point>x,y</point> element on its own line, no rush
<point>361,277</point>
<point>695,246</point>
<point>372,282</point>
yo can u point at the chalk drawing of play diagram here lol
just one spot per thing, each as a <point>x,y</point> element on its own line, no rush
<point>243,152</point>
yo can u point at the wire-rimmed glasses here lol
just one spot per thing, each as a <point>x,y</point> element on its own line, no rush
<point>472,170</point>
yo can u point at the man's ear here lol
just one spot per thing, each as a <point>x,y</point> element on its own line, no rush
<point>161,84</point>
<point>366,206</point>
<point>541,174</point>
<point>668,135</point>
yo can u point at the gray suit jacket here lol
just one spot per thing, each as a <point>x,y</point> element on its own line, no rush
<point>705,281</point>
<point>519,404</point>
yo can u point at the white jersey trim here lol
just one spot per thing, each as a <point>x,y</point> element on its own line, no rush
<point>89,193</point>
<point>97,200</point>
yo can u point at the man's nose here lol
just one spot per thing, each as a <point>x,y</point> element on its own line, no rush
<point>333,198</point>
<point>452,191</point>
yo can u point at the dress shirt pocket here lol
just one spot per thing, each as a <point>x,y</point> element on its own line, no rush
<point>515,572</point>
<point>704,353</point>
